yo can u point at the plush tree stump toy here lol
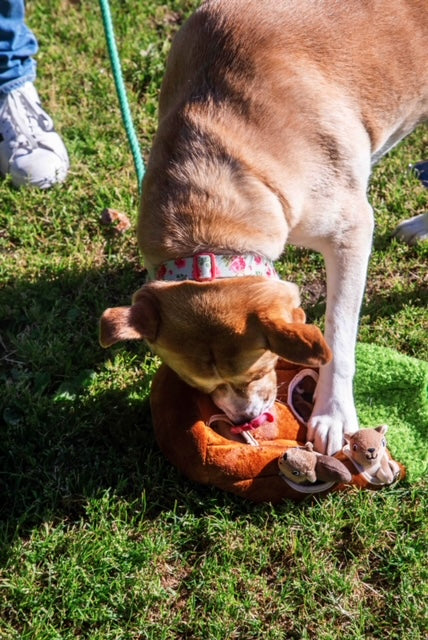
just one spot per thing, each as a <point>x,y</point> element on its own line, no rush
<point>267,460</point>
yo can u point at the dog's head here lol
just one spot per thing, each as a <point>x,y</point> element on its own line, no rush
<point>222,337</point>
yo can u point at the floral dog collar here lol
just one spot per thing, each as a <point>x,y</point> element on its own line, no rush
<point>204,267</point>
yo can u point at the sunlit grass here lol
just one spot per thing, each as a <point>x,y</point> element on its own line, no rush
<point>99,537</point>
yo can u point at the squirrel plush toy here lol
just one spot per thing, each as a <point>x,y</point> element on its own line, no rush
<point>303,465</point>
<point>367,450</point>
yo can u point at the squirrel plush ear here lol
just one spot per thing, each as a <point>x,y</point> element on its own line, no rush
<point>137,322</point>
<point>347,437</point>
<point>382,429</point>
<point>296,342</point>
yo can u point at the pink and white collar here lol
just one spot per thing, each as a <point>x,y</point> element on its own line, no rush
<point>204,267</point>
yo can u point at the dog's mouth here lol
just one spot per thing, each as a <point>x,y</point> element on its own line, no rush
<point>254,424</point>
<point>250,419</point>
<point>266,416</point>
<point>242,409</point>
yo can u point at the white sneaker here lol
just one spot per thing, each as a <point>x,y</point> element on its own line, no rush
<point>30,149</point>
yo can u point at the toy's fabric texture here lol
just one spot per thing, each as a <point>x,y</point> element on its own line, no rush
<point>212,455</point>
<point>303,465</point>
<point>181,416</point>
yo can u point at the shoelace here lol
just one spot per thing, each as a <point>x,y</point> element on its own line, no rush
<point>44,122</point>
<point>22,114</point>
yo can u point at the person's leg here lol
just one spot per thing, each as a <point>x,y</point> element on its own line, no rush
<point>30,149</point>
<point>18,45</point>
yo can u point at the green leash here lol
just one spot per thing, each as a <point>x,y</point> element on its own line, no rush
<point>121,92</point>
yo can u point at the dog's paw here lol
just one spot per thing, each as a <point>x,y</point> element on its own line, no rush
<point>413,230</point>
<point>327,432</point>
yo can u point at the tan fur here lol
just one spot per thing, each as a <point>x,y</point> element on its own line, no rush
<point>264,110</point>
<point>271,114</point>
<point>245,325</point>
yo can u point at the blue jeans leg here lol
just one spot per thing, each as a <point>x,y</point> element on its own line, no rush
<point>17,46</point>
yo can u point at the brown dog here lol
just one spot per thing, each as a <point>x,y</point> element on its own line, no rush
<point>271,114</point>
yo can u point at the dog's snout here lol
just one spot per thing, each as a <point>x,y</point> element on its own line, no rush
<point>245,403</point>
<point>247,417</point>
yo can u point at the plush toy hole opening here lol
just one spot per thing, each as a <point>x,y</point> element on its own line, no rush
<point>301,392</point>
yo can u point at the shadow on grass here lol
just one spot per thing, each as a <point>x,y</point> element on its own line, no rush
<point>75,419</point>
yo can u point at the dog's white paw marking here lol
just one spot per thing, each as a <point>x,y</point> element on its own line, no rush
<point>326,430</point>
<point>413,230</point>
<point>326,434</point>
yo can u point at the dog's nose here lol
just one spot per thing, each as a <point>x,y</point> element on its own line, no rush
<point>246,417</point>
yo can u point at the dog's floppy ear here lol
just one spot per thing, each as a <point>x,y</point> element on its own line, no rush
<point>297,342</point>
<point>137,322</point>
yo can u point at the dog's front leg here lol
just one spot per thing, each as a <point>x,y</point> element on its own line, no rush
<point>346,258</point>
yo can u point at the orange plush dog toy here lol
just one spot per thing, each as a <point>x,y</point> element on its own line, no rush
<point>249,460</point>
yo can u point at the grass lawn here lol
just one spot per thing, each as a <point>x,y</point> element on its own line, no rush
<point>99,537</point>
